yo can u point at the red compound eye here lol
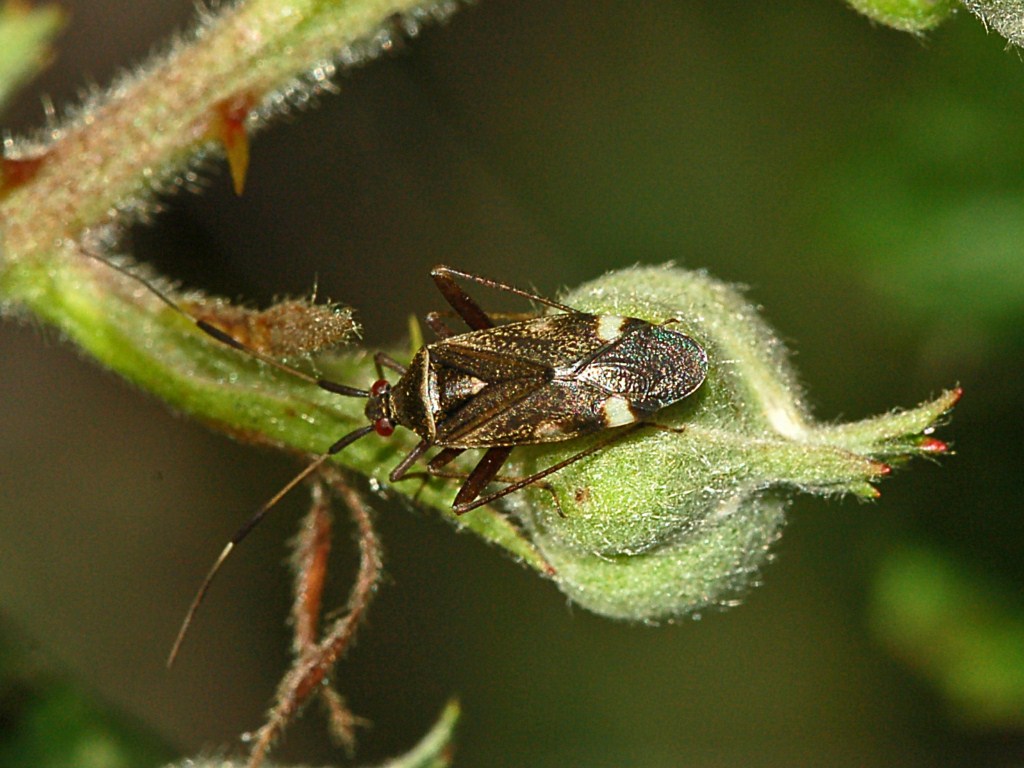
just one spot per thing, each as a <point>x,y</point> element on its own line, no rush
<point>380,386</point>
<point>383,427</point>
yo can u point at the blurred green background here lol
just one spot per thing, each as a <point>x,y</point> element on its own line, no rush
<point>866,185</point>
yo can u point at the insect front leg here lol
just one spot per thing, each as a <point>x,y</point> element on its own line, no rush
<point>485,472</point>
<point>461,505</point>
<point>440,328</point>
<point>382,360</point>
<point>402,470</point>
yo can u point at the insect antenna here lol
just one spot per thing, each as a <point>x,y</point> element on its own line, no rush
<point>227,339</point>
<point>251,523</point>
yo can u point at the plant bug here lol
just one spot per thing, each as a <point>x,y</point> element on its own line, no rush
<point>543,379</point>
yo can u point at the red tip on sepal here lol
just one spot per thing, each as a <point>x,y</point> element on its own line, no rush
<point>931,445</point>
<point>880,469</point>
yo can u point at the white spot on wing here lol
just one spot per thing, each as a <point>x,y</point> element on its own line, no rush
<point>609,327</point>
<point>617,412</point>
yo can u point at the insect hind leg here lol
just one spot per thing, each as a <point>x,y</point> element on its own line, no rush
<point>459,300</point>
<point>436,320</point>
<point>453,475</point>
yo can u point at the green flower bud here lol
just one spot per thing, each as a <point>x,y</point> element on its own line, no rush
<point>665,522</point>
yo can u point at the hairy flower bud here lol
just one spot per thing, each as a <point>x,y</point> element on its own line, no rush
<point>666,522</point>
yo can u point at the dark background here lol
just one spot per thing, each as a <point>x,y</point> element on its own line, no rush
<point>866,185</point>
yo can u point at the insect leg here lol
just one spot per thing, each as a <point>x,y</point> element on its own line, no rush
<point>402,470</point>
<point>496,479</point>
<point>483,473</point>
<point>445,457</point>
<point>438,326</point>
<point>442,273</point>
<point>435,320</point>
<point>522,483</point>
<point>459,300</point>
<point>383,360</point>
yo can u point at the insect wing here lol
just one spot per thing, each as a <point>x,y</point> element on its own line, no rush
<point>546,343</point>
<point>496,386</point>
<point>558,377</point>
<point>503,413</point>
<point>650,367</point>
